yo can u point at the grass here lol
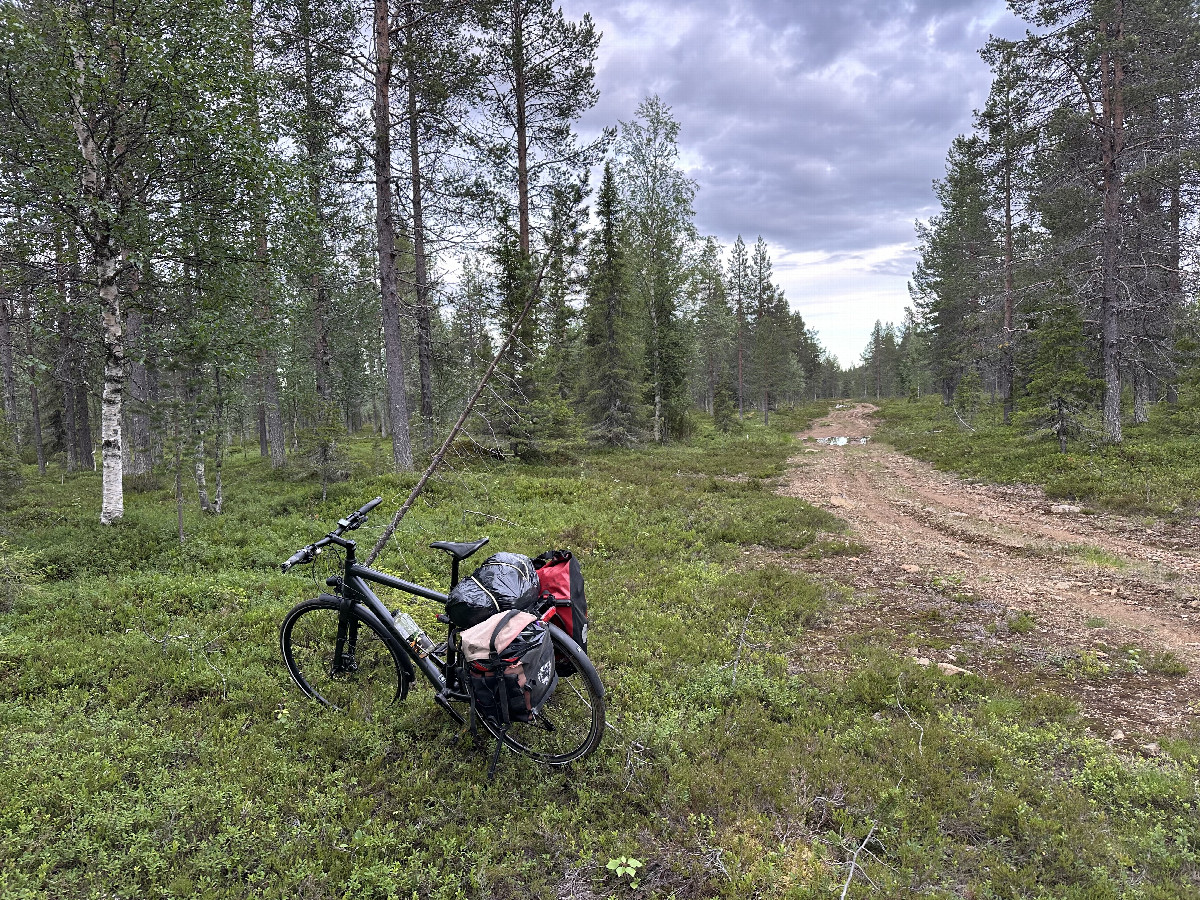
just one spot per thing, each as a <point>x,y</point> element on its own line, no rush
<point>154,747</point>
<point>1156,469</point>
<point>1164,662</point>
<point>1097,557</point>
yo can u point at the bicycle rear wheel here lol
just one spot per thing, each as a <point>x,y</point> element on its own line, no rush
<point>340,660</point>
<point>571,723</point>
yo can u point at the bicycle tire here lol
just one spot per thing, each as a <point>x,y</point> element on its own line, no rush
<point>368,679</point>
<point>571,723</point>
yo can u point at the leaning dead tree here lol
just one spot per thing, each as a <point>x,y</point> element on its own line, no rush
<point>530,301</point>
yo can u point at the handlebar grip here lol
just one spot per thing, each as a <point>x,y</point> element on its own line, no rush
<point>366,508</point>
<point>298,557</point>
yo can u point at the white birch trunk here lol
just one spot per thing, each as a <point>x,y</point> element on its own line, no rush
<point>112,505</point>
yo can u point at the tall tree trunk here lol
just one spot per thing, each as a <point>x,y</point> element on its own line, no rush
<point>420,266</point>
<point>83,426</point>
<point>68,418</point>
<point>139,457</point>
<point>322,360</point>
<point>33,390</point>
<point>108,263</point>
<point>6,362</point>
<point>656,366</point>
<point>1174,280</point>
<point>522,128</point>
<point>1113,144</point>
<point>385,231</point>
<point>218,501</point>
<point>1008,358</point>
<point>741,391</point>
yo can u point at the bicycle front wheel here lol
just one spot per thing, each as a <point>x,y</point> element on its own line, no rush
<point>571,723</point>
<point>340,660</point>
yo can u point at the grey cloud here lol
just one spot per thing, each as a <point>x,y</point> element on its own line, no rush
<point>819,125</point>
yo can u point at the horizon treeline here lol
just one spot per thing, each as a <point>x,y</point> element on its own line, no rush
<point>1060,273</point>
<point>281,221</point>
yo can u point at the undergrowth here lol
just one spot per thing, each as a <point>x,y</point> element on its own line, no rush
<point>154,747</point>
<point>1156,469</point>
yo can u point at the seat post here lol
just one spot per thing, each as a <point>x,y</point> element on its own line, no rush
<point>453,572</point>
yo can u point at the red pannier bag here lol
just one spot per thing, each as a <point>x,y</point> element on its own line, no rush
<point>561,581</point>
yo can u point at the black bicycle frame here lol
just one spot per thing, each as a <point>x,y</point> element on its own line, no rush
<point>356,590</point>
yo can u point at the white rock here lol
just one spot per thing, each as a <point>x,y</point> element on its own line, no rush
<point>922,660</point>
<point>951,669</point>
<point>1065,508</point>
<point>1118,734</point>
<point>911,568</point>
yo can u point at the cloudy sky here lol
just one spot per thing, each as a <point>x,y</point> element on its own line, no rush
<point>819,124</point>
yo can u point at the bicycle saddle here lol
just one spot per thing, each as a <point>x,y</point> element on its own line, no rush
<point>459,551</point>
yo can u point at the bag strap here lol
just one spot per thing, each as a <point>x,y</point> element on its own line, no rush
<point>491,596</point>
<point>493,652</point>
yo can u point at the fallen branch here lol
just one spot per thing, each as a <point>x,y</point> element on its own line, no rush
<point>741,642</point>
<point>854,861</point>
<point>964,421</point>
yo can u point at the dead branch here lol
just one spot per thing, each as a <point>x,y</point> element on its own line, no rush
<point>530,302</point>
<point>854,861</point>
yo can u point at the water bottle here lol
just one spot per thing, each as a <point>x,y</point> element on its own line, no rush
<point>412,633</point>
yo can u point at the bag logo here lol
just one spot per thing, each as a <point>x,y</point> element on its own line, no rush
<point>544,674</point>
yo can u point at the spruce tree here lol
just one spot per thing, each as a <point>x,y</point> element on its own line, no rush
<point>610,383</point>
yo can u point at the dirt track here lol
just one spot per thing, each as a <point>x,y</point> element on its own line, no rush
<point>949,565</point>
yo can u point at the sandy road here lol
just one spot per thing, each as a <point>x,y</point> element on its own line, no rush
<point>1096,586</point>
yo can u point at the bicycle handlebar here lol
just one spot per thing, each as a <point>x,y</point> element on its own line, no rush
<point>350,523</point>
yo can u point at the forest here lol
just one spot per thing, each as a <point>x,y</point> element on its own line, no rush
<point>1059,276</point>
<point>291,222</point>
<point>260,260</point>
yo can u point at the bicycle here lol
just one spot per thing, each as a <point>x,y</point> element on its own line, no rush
<point>345,650</point>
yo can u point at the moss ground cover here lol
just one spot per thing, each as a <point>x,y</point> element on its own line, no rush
<point>153,746</point>
<point>1156,470</point>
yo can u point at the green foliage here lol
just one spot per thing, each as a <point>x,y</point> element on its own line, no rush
<point>724,412</point>
<point>322,453</point>
<point>1164,662</point>
<point>1155,470</point>
<point>968,395</point>
<point>154,747</point>
<point>1060,391</point>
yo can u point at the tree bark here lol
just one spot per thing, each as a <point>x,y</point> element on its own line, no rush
<point>6,362</point>
<point>522,126</point>
<point>1112,77</point>
<point>108,264</point>
<point>139,457</point>
<point>1008,362</point>
<point>33,391</point>
<point>83,426</point>
<point>420,265</point>
<point>385,232</point>
<point>313,148</point>
<point>1141,395</point>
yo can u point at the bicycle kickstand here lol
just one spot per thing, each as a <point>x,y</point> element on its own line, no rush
<point>495,758</point>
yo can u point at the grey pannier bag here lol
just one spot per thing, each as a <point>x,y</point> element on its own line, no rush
<point>509,661</point>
